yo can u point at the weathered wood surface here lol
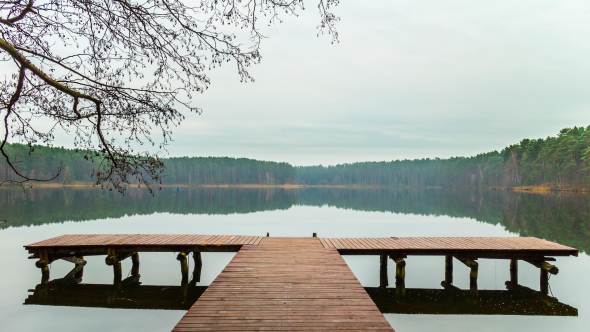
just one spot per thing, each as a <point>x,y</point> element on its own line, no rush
<point>108,244</point>
<point>482,247</point>
<point>285,284</point>
<point>155,240</point>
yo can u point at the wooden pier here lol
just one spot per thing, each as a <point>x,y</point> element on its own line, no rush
<point>292,284</point>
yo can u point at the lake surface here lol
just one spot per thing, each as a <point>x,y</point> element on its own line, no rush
<point>44,213</point>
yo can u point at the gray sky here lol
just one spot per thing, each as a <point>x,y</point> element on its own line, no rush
<point>409,79</point>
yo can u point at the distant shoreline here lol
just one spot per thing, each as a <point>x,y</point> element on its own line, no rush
<point>526,189</point>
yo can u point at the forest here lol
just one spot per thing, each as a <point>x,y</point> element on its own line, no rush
<point>559,162</point>
<point>44,162</point>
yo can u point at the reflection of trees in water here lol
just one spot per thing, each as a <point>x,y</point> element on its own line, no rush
<point>559,217</point>
<point>49,205</point>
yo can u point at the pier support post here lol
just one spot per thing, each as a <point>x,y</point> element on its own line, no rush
<point>400,277</point>
<point>545,269</point>
<point>383,279</point>
<point>471,263</point>
<point>80,273</point>
<point>514,271</point>
<point>198,266</point>
<point>449,269</point>
<point>43,265</point>
<point>118,274</point>
<point>544,282</point>
<point>114,260</point>
<point>45,275</point>
<point>135,266</point>
<point>184,288</point>
<point>183,266</point>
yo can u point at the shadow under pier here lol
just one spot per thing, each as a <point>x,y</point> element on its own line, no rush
<point>133,296</point>
<point>516,300</point>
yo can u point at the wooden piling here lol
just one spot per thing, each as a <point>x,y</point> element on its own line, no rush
<point>544,282</point>
<point>471,263</point>
<point>449,269</point>
<point>183,265</point>
<point>45,274</point>
<point>400,277</point>
<point>514,271</point>
<point>198,266</point>
<point>80,273</point>
<point>383,278</point>
<point>135,266</point>
<point>118,274</point>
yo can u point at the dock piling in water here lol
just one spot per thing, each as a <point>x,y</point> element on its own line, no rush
<point>449,269</point>
<point>198,266</point>
<point>383,277</point>
<point>400,277</point>
<point>135,264</point>
<point>514,271</point>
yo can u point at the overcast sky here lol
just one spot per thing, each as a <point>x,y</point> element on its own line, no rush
<point>409,79</point>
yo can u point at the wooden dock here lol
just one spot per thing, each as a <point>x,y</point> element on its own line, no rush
<point>292,284</point>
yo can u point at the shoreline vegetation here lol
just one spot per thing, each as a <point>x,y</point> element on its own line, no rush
<point>560,163</point>
<point>526,189</point>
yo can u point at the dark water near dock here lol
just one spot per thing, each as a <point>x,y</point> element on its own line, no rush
<point>44,213</point>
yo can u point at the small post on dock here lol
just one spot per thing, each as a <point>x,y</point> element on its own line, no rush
<point>383,279</point>
<point>400,277</point>
<point>315,234</point>
<point>514,271</point>
<point>135,266</point>
<point>198,266</point>
<point>449,269</point>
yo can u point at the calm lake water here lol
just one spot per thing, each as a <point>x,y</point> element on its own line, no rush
<point>45,213</point>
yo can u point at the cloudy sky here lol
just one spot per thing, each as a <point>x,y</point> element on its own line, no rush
<point>409,79</point>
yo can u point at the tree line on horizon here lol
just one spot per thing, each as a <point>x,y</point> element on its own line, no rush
<point>560,162</point>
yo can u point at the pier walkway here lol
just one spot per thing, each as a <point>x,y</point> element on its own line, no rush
<point>285,284</point>
<point>292,284</point>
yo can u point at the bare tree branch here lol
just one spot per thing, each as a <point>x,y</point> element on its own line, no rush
<point>112,73</point>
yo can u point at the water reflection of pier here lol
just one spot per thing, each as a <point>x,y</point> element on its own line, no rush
<point>515,300</point>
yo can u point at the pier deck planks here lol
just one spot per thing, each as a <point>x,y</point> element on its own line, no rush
<point>154,240</point>
<point>285,284</point>
<point>476,247</point>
